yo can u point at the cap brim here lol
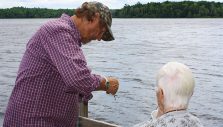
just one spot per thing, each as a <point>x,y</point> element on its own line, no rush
<point>108,35</point>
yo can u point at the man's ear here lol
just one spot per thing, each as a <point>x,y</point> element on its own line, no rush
<point>161,92</point>
<point>96,17</point>
<point>160,97</point>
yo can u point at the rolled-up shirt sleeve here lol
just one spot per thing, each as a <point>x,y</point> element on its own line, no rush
<point>69,60</point>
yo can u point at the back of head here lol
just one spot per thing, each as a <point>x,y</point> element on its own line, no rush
<point>177,82</point>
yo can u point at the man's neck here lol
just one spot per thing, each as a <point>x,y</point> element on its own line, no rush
<point>76,21</point>
<point>174,109</point>
<point>169,109</point>
<point>79,24</point>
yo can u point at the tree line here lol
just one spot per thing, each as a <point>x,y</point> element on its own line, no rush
<point>22,12</point>
<point>167,9</point>
<point>184,9</point>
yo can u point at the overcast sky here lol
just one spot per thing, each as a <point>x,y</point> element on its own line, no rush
<point>71,4</point>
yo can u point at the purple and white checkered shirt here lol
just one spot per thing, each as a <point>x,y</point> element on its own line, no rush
<point>53,76</point>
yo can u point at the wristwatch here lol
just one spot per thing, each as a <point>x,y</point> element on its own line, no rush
<point>107,83</point>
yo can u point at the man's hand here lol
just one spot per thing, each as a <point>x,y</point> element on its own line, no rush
<point>113,87</point>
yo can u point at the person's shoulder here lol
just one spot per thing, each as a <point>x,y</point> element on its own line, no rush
<point>55,26</point>
<point>185,119</point>
<point>194,120</point>
<point>177,119</point>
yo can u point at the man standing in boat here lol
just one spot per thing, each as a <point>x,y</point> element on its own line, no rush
<point>53,76</point>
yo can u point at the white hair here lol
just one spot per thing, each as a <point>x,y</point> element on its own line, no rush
<point>177,82</point>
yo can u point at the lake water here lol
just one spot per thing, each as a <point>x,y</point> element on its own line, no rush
<point>141,47</point>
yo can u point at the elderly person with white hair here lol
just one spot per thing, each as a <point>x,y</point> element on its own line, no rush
<point>175,86</point>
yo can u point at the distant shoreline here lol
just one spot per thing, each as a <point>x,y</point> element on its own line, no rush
<point>184,9</point>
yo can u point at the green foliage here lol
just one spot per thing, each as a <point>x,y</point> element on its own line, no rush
<point>21,12</point>
<point>167,9</point>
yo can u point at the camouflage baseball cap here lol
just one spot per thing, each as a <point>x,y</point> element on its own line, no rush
<point>105,16</point>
